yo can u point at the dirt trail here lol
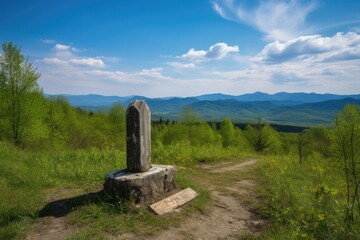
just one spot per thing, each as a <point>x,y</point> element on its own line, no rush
<point>230,167</point>
<point>229,217</point>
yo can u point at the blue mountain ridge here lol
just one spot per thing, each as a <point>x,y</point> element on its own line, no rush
<point>282,108</point>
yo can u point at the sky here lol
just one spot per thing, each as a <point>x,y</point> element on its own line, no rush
<point>164,48</point>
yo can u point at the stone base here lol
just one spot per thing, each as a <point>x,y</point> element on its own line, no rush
<point>142,187</point>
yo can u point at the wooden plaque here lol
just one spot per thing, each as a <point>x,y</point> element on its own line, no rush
<point>169,204</point>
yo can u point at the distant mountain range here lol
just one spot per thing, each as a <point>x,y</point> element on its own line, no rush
<point>302,109</point>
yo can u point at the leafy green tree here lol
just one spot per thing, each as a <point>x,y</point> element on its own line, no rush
<point>239,140</point>
<point>61,119</point>
<point>18,90</point>
<point>348,145</point>
<point>175,133</point>
<point>262,137</point>
<point>227,132</point>
<point>320,140</point>
<point>189,117</point>
<point>203,134</point>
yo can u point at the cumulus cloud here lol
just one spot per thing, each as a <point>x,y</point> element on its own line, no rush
<point>61,47</point>
<point>340,47</point>
<point>217,51</point>
<point>180,66</point>
<point>114,75</point>
<point>142,76</point>
<point>277,19</point>
<point>68,55</point>
<point>54,61</point>
<point>93,62</point>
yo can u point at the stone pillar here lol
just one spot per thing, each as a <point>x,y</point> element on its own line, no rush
<point>139,181</point>
<point>138,137</point>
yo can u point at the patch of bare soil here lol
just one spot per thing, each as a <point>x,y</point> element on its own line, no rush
<point>230,167</point>
<point>52,222</point>
<point>51,228</point>
<point>229,217</point>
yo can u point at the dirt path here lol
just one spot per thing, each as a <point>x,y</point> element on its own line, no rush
<point>229,217</point>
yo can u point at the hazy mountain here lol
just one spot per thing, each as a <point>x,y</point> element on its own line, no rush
<point>215,96</point>
<point>304,114</point>
<point>281,98</point>
<point>281,108</point>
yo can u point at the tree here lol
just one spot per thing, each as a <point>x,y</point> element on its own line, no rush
<point>189,118</point>
<point>227,132</point>
<point>348,145</point>
<point>262,136</point>
<point>18,90</point>
<point>61,120</point>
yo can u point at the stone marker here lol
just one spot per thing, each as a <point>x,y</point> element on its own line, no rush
<point>177,200</point>
<point>138,137</point>
<point>139,181</point>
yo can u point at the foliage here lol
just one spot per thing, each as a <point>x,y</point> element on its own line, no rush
<point>304,201</point>
<point>18,92</point>
<point>348,149</point>
<point>262,137</point>
<point>319,197</point>
<point>227,132</point>
<point>188,117</point>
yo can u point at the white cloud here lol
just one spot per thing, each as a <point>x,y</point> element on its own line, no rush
<point>92,62</point>
<point>154,73</point>
<point>192,54</point>
<point>277,19</point>
<point>181,66</point>
<point>54,61</point>
<point>114,75</point>
<point>68,55</point>
<point>308,63</point>
<point>143,76</point>
<point>61,47</point>
<point>217,51</point>
<point>340,47</point>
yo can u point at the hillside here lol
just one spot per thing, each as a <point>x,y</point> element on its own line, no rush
<point>303,109</point>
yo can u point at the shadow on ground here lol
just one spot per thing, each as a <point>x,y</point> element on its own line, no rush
<point>62,207</point>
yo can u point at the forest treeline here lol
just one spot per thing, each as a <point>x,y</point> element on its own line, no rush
<point>311,179</point>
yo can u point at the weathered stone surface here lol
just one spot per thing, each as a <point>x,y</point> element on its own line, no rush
<point>139,181</point>
<point>142,187</point>
<point>138,137</point>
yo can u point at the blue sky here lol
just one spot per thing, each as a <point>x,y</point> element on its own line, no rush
<point>188,47</point>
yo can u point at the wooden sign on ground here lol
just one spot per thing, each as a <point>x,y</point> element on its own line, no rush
<point>168,204</point>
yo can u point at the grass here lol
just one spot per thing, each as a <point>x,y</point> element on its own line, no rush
<point>301,201</point>
<point>31,180</point>
<point>304,201</point>
<point>26,177</point>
